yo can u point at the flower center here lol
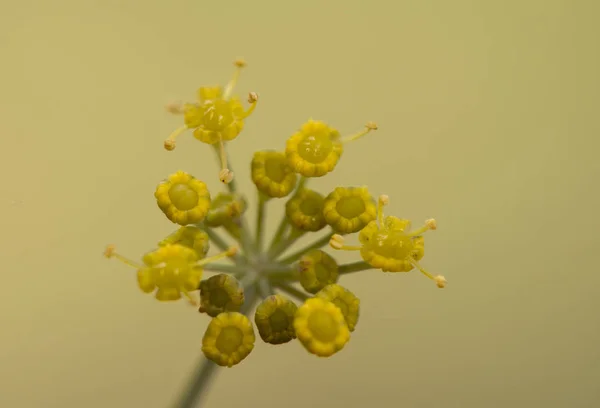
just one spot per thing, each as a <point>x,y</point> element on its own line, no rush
<point>275,169</point>
<point>279,321</point>
<point>322,326</point>
<point>229,340</point>
<point>311,207</point>
<point>219,297</point>
<point>315,148</point>
<point>321,272</point>
<point>391,244</point>
<point>183,197</point>
<point>217,115</point>
<point>350,207</point>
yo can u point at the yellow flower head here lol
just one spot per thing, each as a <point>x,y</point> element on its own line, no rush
<point>190,237</point>
<point>217,117</point>
<point>314,150</point>
<point>345,300</point>
<point>321,327</point>
<point>228,339</point>
<point>220,293</point>
<point>224,209</point>
<point>184,199</point>
<point>317,270</point>
<point>274,319</point>
<point>387,244</point>
<point>170,271</point>
<point>305,210</point>
<point>272,175</point>
<point>348,210</point>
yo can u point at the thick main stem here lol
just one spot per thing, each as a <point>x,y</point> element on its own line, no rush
<point>298,254</point>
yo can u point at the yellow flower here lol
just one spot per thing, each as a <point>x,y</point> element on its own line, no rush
<point>272,175</point>
<point>317,270</point>
<point>220,293</point>
<point>228,339</point>
<point>321,327</point>
<point>274,319</point>
<point>387,244</point>
<point>184,199</point>
<point>170,271</point>
<point>314,150</point>
<point>345,300</point>
<point>391,247</point>
<point>191,237</point>
<point>224,209</point>
<point>348,210</point>
<point>305,210</point>
<point>217,117</point>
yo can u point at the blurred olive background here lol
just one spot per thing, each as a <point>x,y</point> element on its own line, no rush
<point>488,121</point>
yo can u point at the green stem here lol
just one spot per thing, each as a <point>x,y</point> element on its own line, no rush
<point>260,220</point>
<point>234,269</point>
<point>206,370</point>
<point>354,267</point>
<point>283,225</point>
<point>248,245</point>
<point>285,243</point>
<point>298,254</point>
<point>221,244</point>
<point>264,288</point>
<point>289,274</point>
<point>232,187</point>
<point>291,290</point>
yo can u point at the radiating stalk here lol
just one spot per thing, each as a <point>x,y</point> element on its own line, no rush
<point>260,221</point>
<point>234,269</point>
<point>354,267</point>
<point>291,290</point>
<point>284,244</point>
<point>298,254</point>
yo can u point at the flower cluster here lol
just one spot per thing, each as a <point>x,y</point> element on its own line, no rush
<point>296,293</point>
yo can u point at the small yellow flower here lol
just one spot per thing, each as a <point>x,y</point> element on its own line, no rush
<point>217,117</point>
<point>184,199</point>
<point>274,319</point>
<point>316,148</point>
<point>228,339</point>
<point>317,270</point>
<point>387,244</point>
<point>225,208</point>
<point>321,327</point>
<point>345,300</point>
<point>220,293</point>
<point>191,237</point>
<point>272,175</point>
<point>349,210</point>
<point>170,271</point>
<point>305,210</point>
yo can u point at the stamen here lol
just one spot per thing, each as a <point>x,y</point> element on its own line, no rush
<point>231,251</point>
<point>368,128</point>
<point>225,175</point>
<point>252,100</point>
<point>337,242</point>
<point>383,201</point>
<point>420,268</point>
<point>192,301</point>
<point>440,281</point>
<point>170,141</point>
<point>430,224</point>
<point>175,108</point>
<point>239,64</point>
<point>109,252</point>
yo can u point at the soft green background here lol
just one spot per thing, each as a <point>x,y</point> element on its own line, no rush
<point>488,116</point>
